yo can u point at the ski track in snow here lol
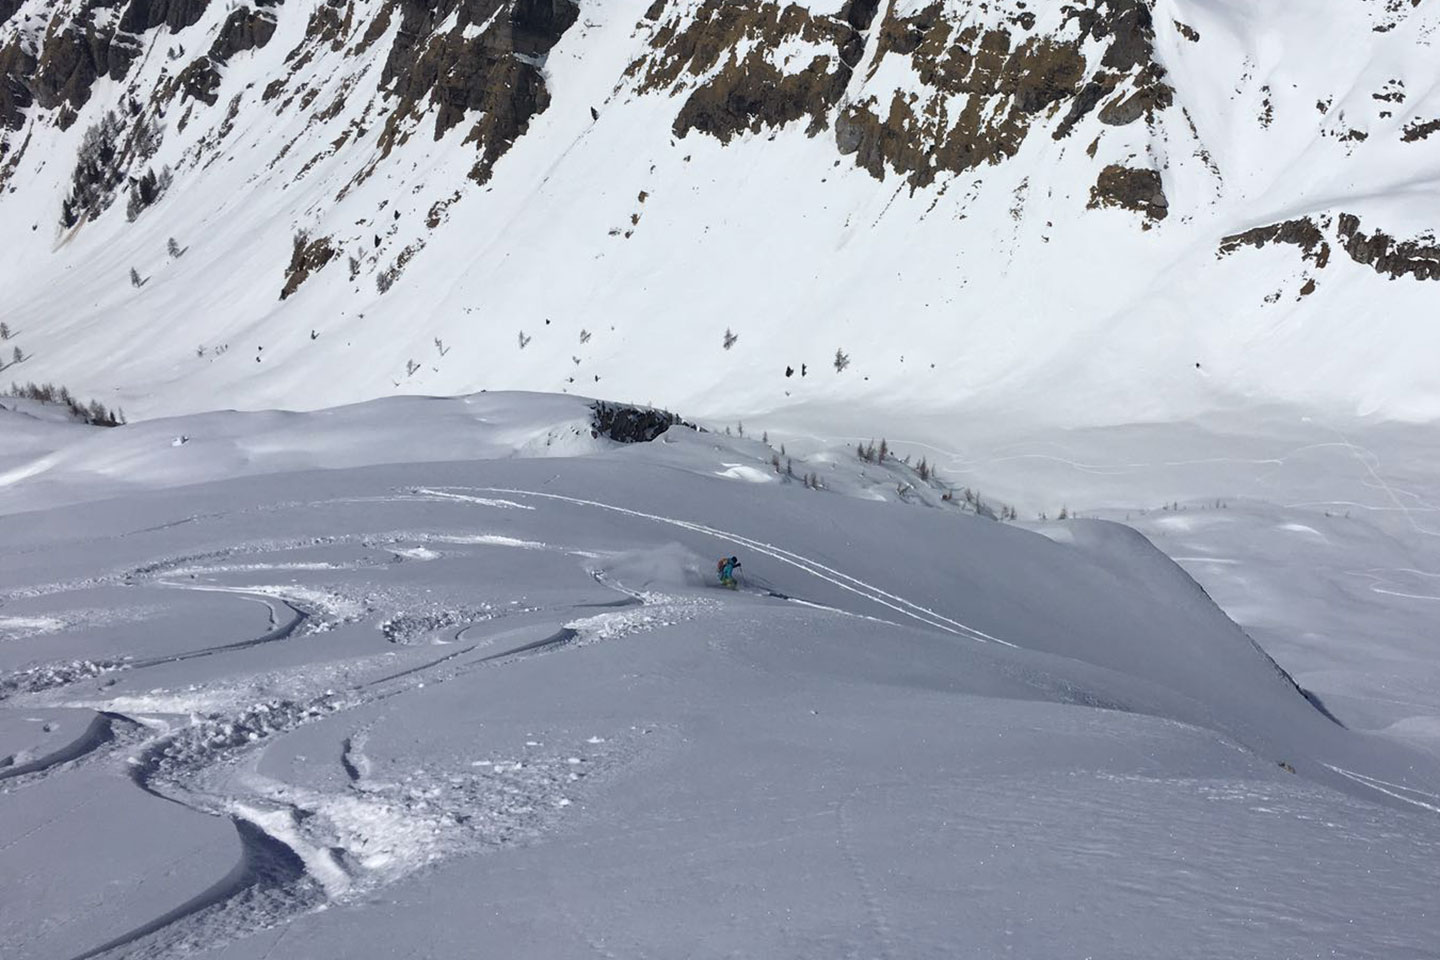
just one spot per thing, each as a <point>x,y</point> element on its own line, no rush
<point>1408,795</point>
<point>310,608</point>
<point>814,568</point>
<point>412,544</point>
<point>49,676</point>
<point>875,911</point>
<point>279,629</point>
<point>105,733</point>
<point>302,848</point>
<point>348,843</point>
<point>851,584</point>
<point>306,846</point>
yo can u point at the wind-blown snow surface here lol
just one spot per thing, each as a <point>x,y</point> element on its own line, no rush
<point>498,704</point>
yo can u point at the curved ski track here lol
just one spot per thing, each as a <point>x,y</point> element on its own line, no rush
<point>270,883</point>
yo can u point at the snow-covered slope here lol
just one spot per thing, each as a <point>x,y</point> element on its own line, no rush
<point>500,702</point>
<point>1083,212</point>
<point>65,465</point>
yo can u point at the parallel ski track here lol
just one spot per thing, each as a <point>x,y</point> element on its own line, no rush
<point>844,581</point>
<point>1406,794</point>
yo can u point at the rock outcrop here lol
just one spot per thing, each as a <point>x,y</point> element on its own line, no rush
<point>490,62</point>
<point>145,15</point>
<point>628,424</point>
<point>1388,256</point>
<point>1302,232</point>
<point>725,50</point>
<point>1139,190</point>
<point>981,89</point>
<point>245,29</point>
<point>308,257</point>
<point>1417,258</point>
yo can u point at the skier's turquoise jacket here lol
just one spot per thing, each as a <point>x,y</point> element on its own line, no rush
<point>726,569</point>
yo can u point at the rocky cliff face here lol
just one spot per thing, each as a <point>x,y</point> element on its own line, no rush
<point>978,86</point>
<point>889,178</point>
<point>448,58</point>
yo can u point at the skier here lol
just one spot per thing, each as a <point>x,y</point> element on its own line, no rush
<point>726,569</point>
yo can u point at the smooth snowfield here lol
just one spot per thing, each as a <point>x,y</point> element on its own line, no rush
<point>1317,535</point>
<point>499,704</point>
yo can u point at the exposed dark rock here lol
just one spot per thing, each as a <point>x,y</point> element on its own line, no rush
<point>859,14</point>
<point>537,25</point>
<point>67,68</point>
<point>626,424</point>
<point>1301,232</point>
<point>1090,95</point>
<point>1417,130</point>
<point>325,27</point>
<point>1418,258</point>
<point>1386,255</point>
<point>1394,92</point>
<point>1140,190</point>
<point>1032,76</point>
<point>200,81</point>
<point>1142,103</point>
<point>919,139</point>
<point>1129,23</point>
<point>497,74</point>
<point>16,66</point>
<point>245,29</point>
<point>72,58</point>
<point>756,95</point>
<point>143,15</point>
<point>10,156</point>
<point>752,93</point>
<point>308,256</point>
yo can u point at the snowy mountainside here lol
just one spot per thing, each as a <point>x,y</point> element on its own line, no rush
<point>1147,209</point>
<point>501,700</point>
